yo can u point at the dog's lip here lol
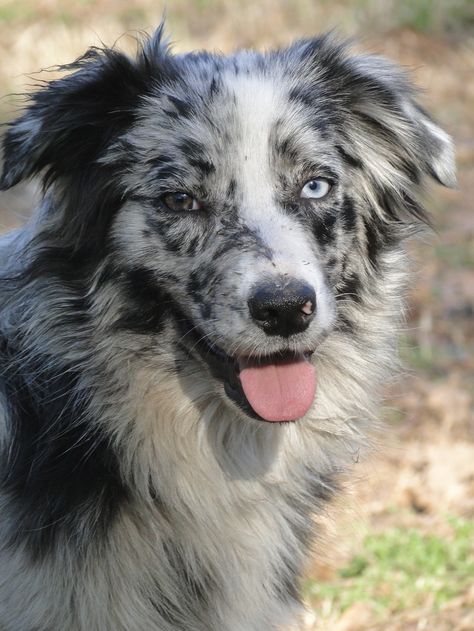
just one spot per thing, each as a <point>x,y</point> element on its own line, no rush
<point>200,343</point>
<point>279,356</point>
<point>226,368</point>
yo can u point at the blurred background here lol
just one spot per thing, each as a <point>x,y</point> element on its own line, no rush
<point>397,549</point>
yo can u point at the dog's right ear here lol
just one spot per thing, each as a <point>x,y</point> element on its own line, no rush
<point>71,121</point>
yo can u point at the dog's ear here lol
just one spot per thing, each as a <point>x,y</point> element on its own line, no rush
<point>71,121</point>
<point>437,146</point>
<point>384,100</point>
<point>380,122</point>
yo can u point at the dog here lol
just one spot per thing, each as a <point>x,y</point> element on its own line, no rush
<point>196,325</point>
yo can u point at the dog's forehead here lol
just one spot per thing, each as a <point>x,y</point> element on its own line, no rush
<point>239,107</point>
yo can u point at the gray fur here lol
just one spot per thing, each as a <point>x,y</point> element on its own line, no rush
<point>211,520</point>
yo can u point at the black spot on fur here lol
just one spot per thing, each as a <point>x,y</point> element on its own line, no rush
<point>146,303</point>
<point>320,489</point>
<point>345,325</point>
<point>169,611</point>
<point>171,113</point>
<point>385,234</point>
<point>183,108</point>
<point>197,582</point>
<point>173,242</point>
<point>206,310</point>
<point>197,588</point>
<point>285,148</point>
<point>198,280</point>
<point>410,170</point>
<point>59,470</point>
<point>348,213</point>
<point>302,95</point>
<point>377,128</point>
<point>241,237</point>
<point>206,167</point>
<point>374,242</point>
<point>108,272</point>
<point>158,162</point>
<point>323,228</point>
<point>193,246</point>
<point>231,189</point>
<point>287,581</point>
<point>350,288</point>
<point>214,88</point>
<point>323,49</point>
<point>349,159</point>
<point>68,272</point>
<point>192,149</point>
<point>323,487</point>
<point>414,208</point>
<point>165,171</point>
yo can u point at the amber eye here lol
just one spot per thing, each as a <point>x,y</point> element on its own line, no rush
<point>180,202</point>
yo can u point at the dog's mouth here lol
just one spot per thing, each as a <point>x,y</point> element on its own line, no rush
<point>277,388</point>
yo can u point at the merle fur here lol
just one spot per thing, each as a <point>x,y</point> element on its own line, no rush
<point>138,488</point>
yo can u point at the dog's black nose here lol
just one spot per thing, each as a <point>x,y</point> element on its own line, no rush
<point>283,309</point>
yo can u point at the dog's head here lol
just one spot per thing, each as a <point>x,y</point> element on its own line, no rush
<point>254,204</point>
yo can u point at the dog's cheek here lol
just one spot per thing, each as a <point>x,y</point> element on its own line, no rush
<point>336,233</point>
<point>199,281</point>
<point>214,289</point>
<point>182,236</point>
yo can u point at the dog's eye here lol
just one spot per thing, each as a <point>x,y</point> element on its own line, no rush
<point>316,189</point>
<point>180,202</point>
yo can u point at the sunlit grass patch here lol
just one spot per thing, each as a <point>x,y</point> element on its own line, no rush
<point>400,569</point>
<point>16,11</point>
<point>456,255</point>
<point>426,16</point>
<point>422,358</point>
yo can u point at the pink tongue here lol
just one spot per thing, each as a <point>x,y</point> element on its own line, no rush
<point>279,392</point>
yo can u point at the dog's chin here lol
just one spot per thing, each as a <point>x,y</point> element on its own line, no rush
<point>235,373</point>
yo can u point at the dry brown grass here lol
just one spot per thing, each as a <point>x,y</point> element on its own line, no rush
<point>41,33</point>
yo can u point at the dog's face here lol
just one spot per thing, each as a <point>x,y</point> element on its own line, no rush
<point>237,203</point>
<point>250,203</point>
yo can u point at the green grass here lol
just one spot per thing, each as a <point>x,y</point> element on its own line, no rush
<point>426,16</point>
<point>459,255</point>
<point>16,11</point>
<point>429,16</point>
<point>429,360</point>
<point>400,569</point>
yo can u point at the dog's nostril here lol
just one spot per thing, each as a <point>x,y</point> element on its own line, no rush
<point>283,309</point>
<point>262,314</point>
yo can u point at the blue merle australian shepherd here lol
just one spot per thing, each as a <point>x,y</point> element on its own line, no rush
<point>195,326</point>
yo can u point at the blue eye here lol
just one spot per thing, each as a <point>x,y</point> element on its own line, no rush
<point>316,189</point>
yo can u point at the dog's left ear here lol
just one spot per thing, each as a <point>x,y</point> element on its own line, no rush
<point>437,146</point>
<point>380,123</point>
<point>384,100</point>
<point>71,121</point>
